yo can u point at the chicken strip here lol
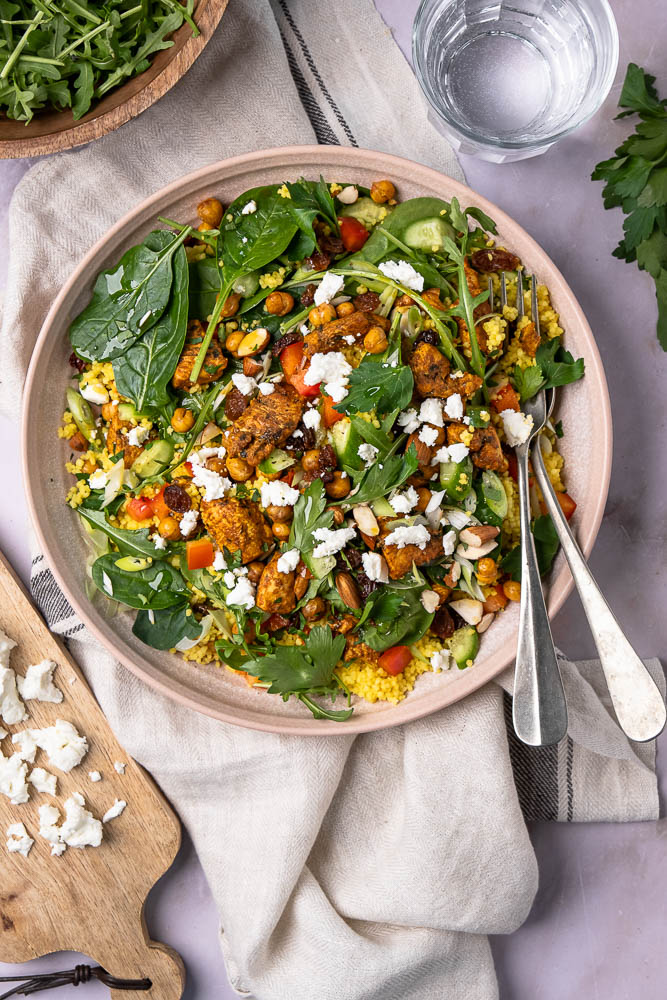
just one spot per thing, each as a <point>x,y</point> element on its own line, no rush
<point>330,337</point>
<point>399,561</point>
<point>215,361</point>
<point>275,590</point>
<point>266,424</point>
<point>117,439</point>
<point>237,525</point>
<point>485,446</point>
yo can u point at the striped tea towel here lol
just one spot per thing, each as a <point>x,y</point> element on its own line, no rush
<point>344,868</point>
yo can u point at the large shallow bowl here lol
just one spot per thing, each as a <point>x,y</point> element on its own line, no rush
<point>583,408</point>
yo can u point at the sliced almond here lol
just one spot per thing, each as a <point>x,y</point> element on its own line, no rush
<point>366,520</point>
<point>253,342</point>
<point>473,552</point>
<point>471,611</point>
<point>478,534</point>
<point>430,600</point>
<point>347,589</point>
<point>252,368</point>
<point>209,432</point>
<point>453,576</point>
<point>485,622</point>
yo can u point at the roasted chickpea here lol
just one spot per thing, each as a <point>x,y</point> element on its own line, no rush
<point>281,531</point>
<point>338,515</point>
<point>107,411</point>
<point>276,513</point>
<point>239,469</point>
<point>375,341</point>
<point>279,303</point>
<point>432,296</point>
<point>344,309</point>
<point>339,486</point>
<point>231,305</point>
<point>424,497</point>
<point>255,570</point>
<point>512,590</point>
<point>311,460</point>
<point>203,228</point>
<point>233,340</point>
<point>319,315</point>
<point>313,609</point>
<point>487,571</point>
<point>382,191</point>
<point>210,212</point>
<point>168,528</point>
<point>182,420</point>
<point>217,465</point>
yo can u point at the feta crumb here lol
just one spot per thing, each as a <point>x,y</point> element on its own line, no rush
<point>430,412</point>
<point>350,339</point>
<point>328,288</point>
<point>278,494</point>
<point>188,523</point>
<point>312,419</point>
<point>517,427</point>
<point>27,748</point>
<point>428,435</point>
<point>297,433</point>
<point>429,600</point>
<point>244,383</point>
<point>401,271</point>
<point>136,436</point>
<point>409,534</point>
<point>79,828</point>
<point>457,452</point>
<point>331,540</point>
<point>13,783</point>
<point>449,542</point>
<point>43,781</point>
<point>98,480</point>
<point>48,818</point>
<point>95,393</point>
<point>440,660</point>
<point>38,683</point>
<point>12,708</point>
<point>375,567</point>
<point>332,369</point>
<point>94,775</point>
<point>242,595</point>
<point>249,208</point>
<point>266,388</point>
<point>402,503</point>
<point>408,420</point>
<point>3,733</point>
<point>367,453</point>
<point>454,406</point>
<point>158,541</point>
<point>288,561</point>
<point>119,766</point>
<point>63,745</point>
<point>219,563</point>
<point>18,841</point>
<point>115,810</point>
<point>214,485</point>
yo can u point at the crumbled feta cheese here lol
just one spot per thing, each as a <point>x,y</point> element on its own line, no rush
<point>48,829</point>
<point>13,783</point>
<point>219,563</point>
<point>350,339</point>
<point>408,420</point>
<point>38,683</point>
<point>277,494</point>
<point>266,388</point>
<point>95,393</point>
<point>242,595</point>
<point>332,369</point>
<point>435,501</point>
<point>119,767</point>
<point>429,600</point>
<point>244,383</point>
<point>430,412</point>
<point>288,561</point>
<point>458,451</point>
<point>409,534</point>
<point>136,436</point>
<point>328,288</point>
<point>43,781</point>
<point>229,579</point>
<point>79,828</point>
<point>107,585</point>
<point>98,480</point>
<point>401,271</point>
<point>454,406</point>
<point>312,419</point>
<point>517,427</point>
<point>25,741</point>
<point>348,195</point>
<point>375,567</point>
<point>12,708</point>
<point>367,453</point>
<point>297,433</point>
<point>158,541</point>
<point>402,503</point>
<point>63,745</point>
<point>214,485</point>
<point>249,208</point>
<point>188,523</point>
<point>449,542</point>
<point>94,775</point>
<point>440,660</point>
<point>18,841</point>
<point>115,810</point>
<point>3,733</point>
<point>331,540</point>
<point>428,435</point>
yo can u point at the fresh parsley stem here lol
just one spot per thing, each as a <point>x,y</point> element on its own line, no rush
<point>210,329</point>
<point>20,45</point>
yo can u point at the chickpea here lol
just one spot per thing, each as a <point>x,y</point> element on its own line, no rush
<point>233,340</point>
<point>182,420</point>
<point>487,571</point>
<point>210,212</point>
<point>217,465</point>
<point>203,228</point>
<point>168,528</point>
<point>375,341</point>
<point>424,497</point>
<point>313,609</point>
<point>344,309</point>
<point>512,590</point>
<point>107,411</point>
<point>382,191</point>
<point>432,296</point>
<point>319,315</point>
<point>279,514</point>
<point>279,303</point>
<point>339,486</point>
<point>239,469</point>
<point>255,570</point>
<point>311,460</point>
<point>231,305</point>
<point>338,516</point>
<point>281,531</point>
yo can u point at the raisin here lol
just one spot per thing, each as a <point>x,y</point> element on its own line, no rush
<point>301,442</point>
<point>76,362</point>
<point>331,245</point>
<point>317,262</point>
<point>308,294</point>
<point>443,624</point>
<point>235,404</point>
<point>327,462</point>
<point>353,557</point>
<point>367,302</point>
<point>285,341</point>
<point>177,499</point>
<point>428,337</point>
<point>494,260</point>
<point>274,622</point>
<point>365,586</point>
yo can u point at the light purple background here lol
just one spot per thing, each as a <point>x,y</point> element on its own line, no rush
<point>597,928</point>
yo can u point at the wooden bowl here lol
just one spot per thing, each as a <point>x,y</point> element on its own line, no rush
<point>582,407</point>
<point>53,131</point>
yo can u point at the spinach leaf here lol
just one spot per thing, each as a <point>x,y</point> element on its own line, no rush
<point>248,242</point>
<point>127,300</point>
<point>157,585</point>
<point>203,287</point>
<point>163,628</point>
<point>399,618</point>
<point>377,385</point>
<point>307,200</point>
<point>134,543</point>
<point>398,221</point>
<point>546,547</point>
<point>143,372</point>
<point>385,476</point>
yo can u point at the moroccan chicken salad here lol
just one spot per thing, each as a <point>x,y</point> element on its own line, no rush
<point>291,432</point>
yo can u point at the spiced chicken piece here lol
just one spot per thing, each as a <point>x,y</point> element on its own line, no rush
<point>399,561</point>
<point>275,590</point>
<point>215,361</point>
<point>265,424</point>
<point>330,337</point>
<point>237,525</point>
<point>117,439</point>
<point>485,447</point>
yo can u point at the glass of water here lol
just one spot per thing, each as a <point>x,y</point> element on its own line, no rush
<point>505,79</point>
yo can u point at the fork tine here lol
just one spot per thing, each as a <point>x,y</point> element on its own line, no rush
<point>533,303</point>
<point>491,293</point>
<point>503,289</point>
<point>519,293</point>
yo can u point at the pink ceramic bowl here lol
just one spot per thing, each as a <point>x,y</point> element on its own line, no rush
<point>583,408</point>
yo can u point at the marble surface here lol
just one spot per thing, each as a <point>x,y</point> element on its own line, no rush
<point>596,929</point>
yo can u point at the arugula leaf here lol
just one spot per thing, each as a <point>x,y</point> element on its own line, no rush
<point>158,585</point>
<point>382,477</point>
<point>377,436</point>
<point>376,385</point>
<point>164,627</point>
<point>133,543</point>
<point>546,547</point>
<point>310,513</point>
<point>399,618</point>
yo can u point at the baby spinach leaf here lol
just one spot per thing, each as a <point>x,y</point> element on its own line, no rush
<point>399,618</point>
<point>546,547</point>
<point>252,240</point>
<point>164,627</point>
<point>203,288</point>
<point>143,372</point>
<point>376,385</point>
<point>158,585</point>
<point>134,543</point>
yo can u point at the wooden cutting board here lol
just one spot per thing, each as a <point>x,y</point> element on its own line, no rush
<point>89,899</point>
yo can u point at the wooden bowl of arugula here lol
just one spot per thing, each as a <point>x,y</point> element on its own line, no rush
<point>72,72</point>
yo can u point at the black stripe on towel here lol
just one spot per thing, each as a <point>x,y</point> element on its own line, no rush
<point>49,598</point>
<point>535,773</point>
<point>570,783</point>
<point>321,127</point>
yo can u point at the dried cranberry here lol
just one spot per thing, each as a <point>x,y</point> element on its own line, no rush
<point>285,341</point>
<point>366,302</point>
<point>235,404</point>
<point>177,499</point>
<point>308,295</point>
<point>353,557</point>
<point>494,260</point>
<point>366,586</point>
<point>443,624</point>
<point>76,362</point>
<point>428,337</point>
<point>317,262</point>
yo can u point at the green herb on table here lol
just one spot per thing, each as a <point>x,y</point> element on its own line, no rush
<point>636,181</point>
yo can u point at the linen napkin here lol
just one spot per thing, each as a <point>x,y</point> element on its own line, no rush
<point>369,867</point>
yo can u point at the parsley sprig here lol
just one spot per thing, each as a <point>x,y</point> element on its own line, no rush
<point>553,366</point>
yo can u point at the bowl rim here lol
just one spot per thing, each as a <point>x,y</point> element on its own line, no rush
<point>289,157</point>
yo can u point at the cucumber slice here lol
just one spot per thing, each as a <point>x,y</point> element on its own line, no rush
<point>464,646</point>
<point>277,461</point>
<point>346,440</point>
<point>81,413</point>
<point>479,416</point>
<point>382,508</point>
<point>319,566</point>
<point>366,211</point>
<point>247,284</point>
<point>494,494</point>
<point>428,234</point>
<point>153,458</point>
<point>456,479</point>
<point>133,564</point>
<point>126,411</point>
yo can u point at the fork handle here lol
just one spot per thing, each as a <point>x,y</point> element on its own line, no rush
<point>639,706</point>
<point>539,709</point>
